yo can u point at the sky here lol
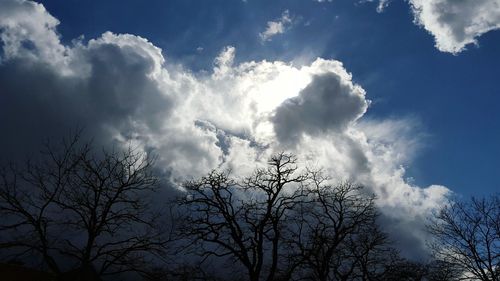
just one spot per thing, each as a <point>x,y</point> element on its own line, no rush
<point>400,96</point>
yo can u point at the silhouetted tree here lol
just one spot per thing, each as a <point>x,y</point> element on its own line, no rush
<point>244,220</point>
<point>433,270</point>
<point>336,236</point>
<point>280,224</point>
<point>370,253</point>
<point>467,235</point>
<point>183,272</point>
<point>28,203</point>
<point>405,270</point>
<point>88,209</point>
<point>439,270</point>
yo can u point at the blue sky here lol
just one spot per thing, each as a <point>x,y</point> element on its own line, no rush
<point>455,97</point>
<point>402,100</point>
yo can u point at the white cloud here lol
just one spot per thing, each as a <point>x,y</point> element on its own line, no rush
<point>382,4</point>
<point>276,27</point>
<point>24,23</point>
<point>121,89</point>
<point>455,24</point>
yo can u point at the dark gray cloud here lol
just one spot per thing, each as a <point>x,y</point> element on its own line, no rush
<point>120,91</point>
<point>115,96</point>
<point>35,105</point>
<point>328,103</point>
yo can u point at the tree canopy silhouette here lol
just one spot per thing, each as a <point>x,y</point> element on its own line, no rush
<point>78,208</point>
<point>467,235</point>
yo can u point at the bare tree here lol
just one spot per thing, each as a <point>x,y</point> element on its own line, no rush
<point>438,270</point>
<point>336,236</point>
<point>28,203</point>
<point>432,270</point>
<point>370,253</point>
<point>244,220</point>
<point>406,270</point>
<point>80,206</point>
<point>467,235</point>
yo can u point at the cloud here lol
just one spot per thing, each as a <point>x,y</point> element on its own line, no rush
<point>455,24</point>
<point>382,4</point>
<point>121,89</point>
<point>26,22</point>
<point>329,102</point>
<point>276,27</point>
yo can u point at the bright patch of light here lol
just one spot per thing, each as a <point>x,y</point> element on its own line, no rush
<point>287,84</point>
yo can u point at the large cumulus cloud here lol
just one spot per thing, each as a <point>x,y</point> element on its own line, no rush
<point>120,88</point>
<point>455,24</point>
